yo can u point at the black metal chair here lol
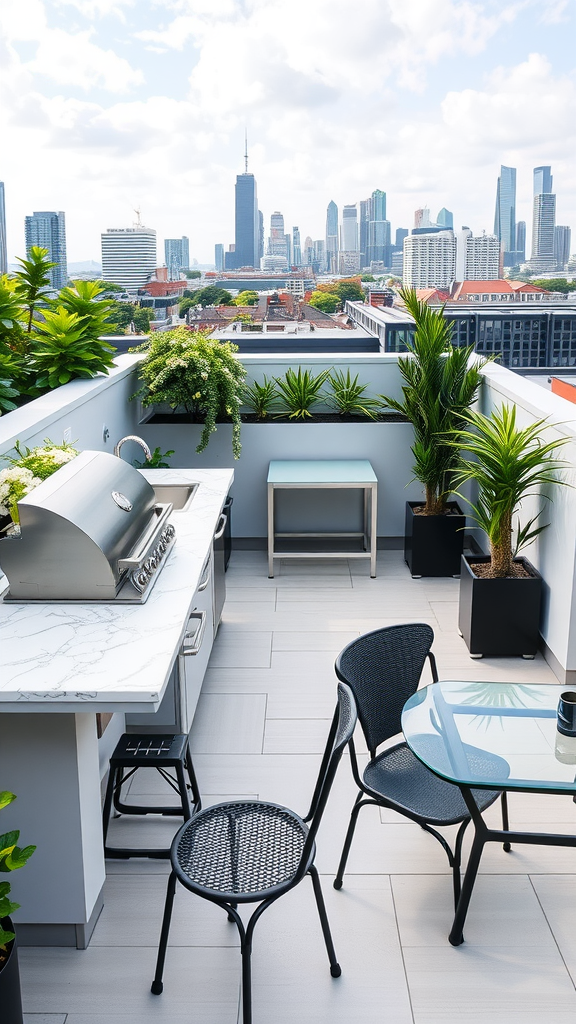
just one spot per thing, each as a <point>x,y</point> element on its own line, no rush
<point>383,669</point>
<point>146,750</point>
<point>254,852</point>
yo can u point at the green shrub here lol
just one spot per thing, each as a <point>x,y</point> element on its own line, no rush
<point>300,391</point>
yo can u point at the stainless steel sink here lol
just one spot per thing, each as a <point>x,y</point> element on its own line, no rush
<point>179,494</point>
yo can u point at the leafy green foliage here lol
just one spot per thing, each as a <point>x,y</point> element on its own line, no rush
<point>246,298</point>
<point>261,398</point>
<point>11,858</point>
<point>326,302</point>
<point>157,460</point>
<point>7,393</point>
<point>123,314</point>
<point>193,274</point>
<point>212,295</point>
<point>300,391</point>
<point>349,398</point>
<point>33,281</point>
<point>186,369</point>
<point>440,384</point>
<point>63,352</point>
<point>509,463</point>
<point>554,284</point>
<point>85,299</point>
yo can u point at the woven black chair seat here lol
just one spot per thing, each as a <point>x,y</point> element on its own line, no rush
<point>240,851</point>
<point>397,775</point>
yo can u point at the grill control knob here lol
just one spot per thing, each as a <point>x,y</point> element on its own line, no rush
<point>169,531</point>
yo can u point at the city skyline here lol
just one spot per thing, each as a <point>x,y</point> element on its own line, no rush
<point>106,108</point>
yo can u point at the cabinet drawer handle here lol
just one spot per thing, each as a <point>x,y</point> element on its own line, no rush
<point>205,580</point>
<point>220,529</point>
<point>193,641</point>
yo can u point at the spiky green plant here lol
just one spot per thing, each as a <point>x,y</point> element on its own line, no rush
<point>440,384</point>
<point>188,370</point>
<point>300,391</point>
<point>348,396</point>
<point>508,464</point>
<point>261,398</point>
<point>33,282</point>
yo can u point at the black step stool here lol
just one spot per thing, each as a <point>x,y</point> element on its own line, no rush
<point>144,750</point>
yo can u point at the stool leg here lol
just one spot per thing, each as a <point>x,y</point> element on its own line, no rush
<point>107,810</point>
<point>157,984</point>
<point>184,798</point>
<point>197,803</point>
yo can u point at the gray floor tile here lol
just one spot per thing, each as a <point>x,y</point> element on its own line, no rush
<point>240,648</point>
<point>228,723</point>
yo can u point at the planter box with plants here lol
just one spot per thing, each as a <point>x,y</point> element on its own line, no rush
<point>11,858</point>
<point>501,593</point>
<point>440,384</point>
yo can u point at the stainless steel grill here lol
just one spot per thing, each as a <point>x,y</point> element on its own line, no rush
<point>91,532</point>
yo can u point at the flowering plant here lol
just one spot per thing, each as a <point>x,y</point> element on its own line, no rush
<point>28,469</point>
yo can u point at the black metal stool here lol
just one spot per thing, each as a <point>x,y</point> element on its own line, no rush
<point>143,750</point>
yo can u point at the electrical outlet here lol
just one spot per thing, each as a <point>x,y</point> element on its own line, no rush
<point>67,435</point>
<point>105,433</point>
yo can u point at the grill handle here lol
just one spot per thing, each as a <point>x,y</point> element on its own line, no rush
<point>134,559</point>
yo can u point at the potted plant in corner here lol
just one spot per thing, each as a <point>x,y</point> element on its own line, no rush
<point>11,858</point>
<point>440,384</point>
<point>500,593</point>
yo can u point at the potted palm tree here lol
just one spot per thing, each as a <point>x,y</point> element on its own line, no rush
<point>440,384</point>
<point>500,593</point>
<point>11,858</point>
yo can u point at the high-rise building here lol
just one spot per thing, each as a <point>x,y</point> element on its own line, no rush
<point>247,222</point>
<point>521,241</point>
<point>349,241</point>
<point>505,213</point>
<point>429,259</point>
<point>543,221</point>
<point>379,247</point>
<point>332,236</point>
<point>365,216</point>
<point>129,256</point>
<point>422,218</point>
<point>3,247</point>
<point>176,255</point>
<point>277,239</point>
<point>296,248</point>
<point>562,240</point>
<point>401,234</point>
<point>477,257</point>
<point>219,256</point>
<point>260,234</point>
<point>445,218</point>
<point>48,230</point>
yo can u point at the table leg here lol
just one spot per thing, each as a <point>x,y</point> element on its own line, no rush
<point>270,531</point>
<point>373,529</point>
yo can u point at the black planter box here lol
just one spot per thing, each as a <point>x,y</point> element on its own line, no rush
<point>433,544</point>
<point>500,617</point>
<point>10,999</point>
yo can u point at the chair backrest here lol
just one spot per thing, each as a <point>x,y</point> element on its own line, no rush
<point>341,732</point>
<point>383,668</point>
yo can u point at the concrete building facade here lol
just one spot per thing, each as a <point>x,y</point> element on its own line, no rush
<point>129,256</point>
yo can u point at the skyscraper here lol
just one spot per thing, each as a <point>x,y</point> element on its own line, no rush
<point>176,255</point>
<point>379,248</point>
<point>445,218</point>
<point>260,235</point>
<point>401,234</point>
<point>521,241</point>
<point>3,249</point>
<point>477,257</point>
<point>219,256</point>
<point>505,213</point>
<point>277,239</point>
<point>543,221</point>
<point>349,241</point>
<point>562,239</point>
<point>422,218</point>
<point>429,259</point>
<point>48,230</point>
<point>296,248</point>
<point>129,256</point>
<point>331,236</point>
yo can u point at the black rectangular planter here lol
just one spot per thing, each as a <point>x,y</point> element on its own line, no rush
<point>433,544</point>
<point>502,616</point>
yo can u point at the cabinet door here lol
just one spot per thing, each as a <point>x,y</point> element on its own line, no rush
<point>197,646</point>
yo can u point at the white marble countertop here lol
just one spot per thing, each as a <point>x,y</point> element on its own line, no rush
<point>111,657</point>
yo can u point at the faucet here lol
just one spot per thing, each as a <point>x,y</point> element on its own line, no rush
<point>133,437</point>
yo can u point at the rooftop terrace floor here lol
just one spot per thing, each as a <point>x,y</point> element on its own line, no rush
<point>260,728</point>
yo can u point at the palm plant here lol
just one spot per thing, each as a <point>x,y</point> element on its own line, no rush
<point>509,463</point>
<point>299,391</point>
<point>33,281</point>
<point>261,398</point>
<point>349,398</point>
<point>440,384</point>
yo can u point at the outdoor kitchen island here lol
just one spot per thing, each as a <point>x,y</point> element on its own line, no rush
<point>60,665</point>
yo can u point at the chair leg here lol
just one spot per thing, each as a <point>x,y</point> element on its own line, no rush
<point>337,883</point>
<point>247,981</point>
<point>505,822</point>
<point>196,801</point>
<point>187,810</point>
<point>158,984</point>
<point>335,969</point>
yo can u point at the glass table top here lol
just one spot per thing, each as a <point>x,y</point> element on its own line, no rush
<point>321,471</point>
<point>492,735</point>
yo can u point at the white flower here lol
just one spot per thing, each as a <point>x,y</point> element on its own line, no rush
<point>15,483</point>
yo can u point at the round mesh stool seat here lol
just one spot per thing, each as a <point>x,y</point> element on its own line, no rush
<point>240,851</point>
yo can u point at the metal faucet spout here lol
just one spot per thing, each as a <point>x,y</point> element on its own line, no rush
<point>138,440</point>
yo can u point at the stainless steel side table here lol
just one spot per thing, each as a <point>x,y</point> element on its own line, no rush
<point>317,474</point>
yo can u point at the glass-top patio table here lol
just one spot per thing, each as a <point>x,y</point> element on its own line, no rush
<point>497,736</point>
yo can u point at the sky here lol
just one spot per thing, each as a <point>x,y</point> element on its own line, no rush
<point>112,106</point>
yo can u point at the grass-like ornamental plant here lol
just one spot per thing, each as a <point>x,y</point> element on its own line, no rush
<point>261,398</point>
<point>300,391</point>
<point>440,384</point>
<point>508,464</point>
<point>348,396</point>
<point>11,858</point>
<point>188,370</point>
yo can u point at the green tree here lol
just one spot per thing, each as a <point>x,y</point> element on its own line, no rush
<point>125,313</point>
<point>246,298</point>
<point>349,290</point>
<point>184,305</point>
<point>212,295</point>
<point>33,281</point>
<point>327,302</point>
<point>193,275</point>
<point>367,277</point>
<point>555,284</point>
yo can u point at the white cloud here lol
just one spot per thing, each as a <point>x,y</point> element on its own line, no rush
<point>73,60</point>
